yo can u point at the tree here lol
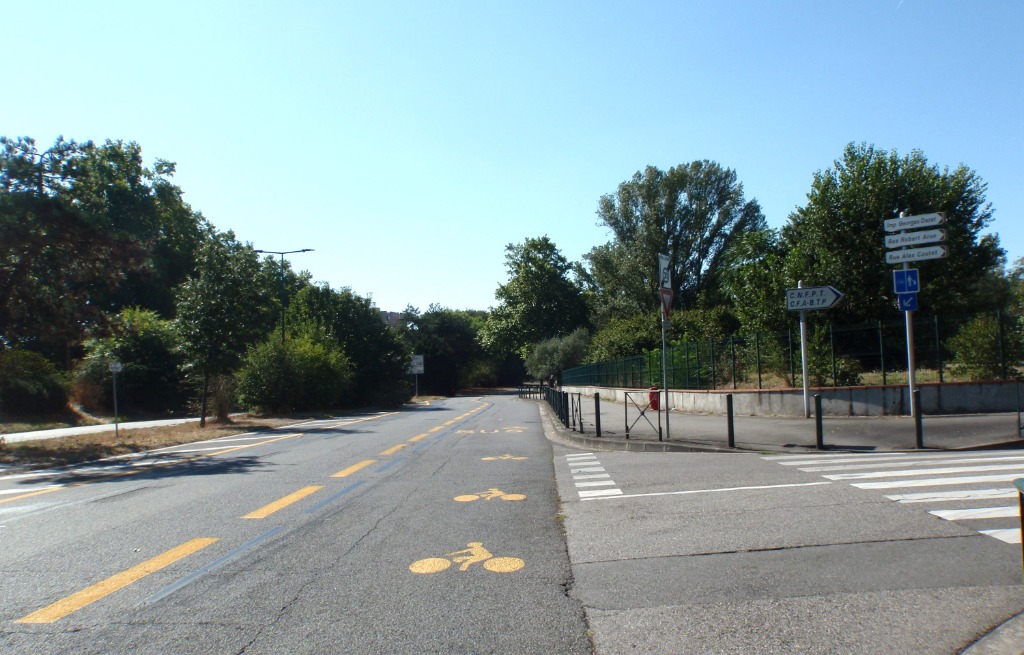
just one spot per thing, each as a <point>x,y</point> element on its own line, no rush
<point>754,281</point>
<point>552,356</point>
<point>149,351</point>
<point>692,213</point>
<point>452,354</point>
<point>86,230</point>
<point>378,356</point>
<point>538,302</point>
<point>221,311</point>
<point>837,238</point>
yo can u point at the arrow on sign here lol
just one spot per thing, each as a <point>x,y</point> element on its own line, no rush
<point>812,298</point>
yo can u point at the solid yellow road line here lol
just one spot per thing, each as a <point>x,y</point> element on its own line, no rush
<point>418,437</point>
<point>267,510</point>
<point>77,601</point>
<point>30,494</point>
<point>352,469</point>
<point>393,449</point>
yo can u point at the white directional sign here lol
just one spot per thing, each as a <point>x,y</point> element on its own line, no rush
<point>914,222</point>
<point>916,254</point>
<point>812,298</point>
<point>664,272</point>
<point>914,238</point>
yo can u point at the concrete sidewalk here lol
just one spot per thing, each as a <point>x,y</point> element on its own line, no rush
<point>55,433</point>
<point>681,431</point>
<point>703,433</point>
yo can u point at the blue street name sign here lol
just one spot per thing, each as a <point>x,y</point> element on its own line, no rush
<point>908,302</point>
<point>906,281</point>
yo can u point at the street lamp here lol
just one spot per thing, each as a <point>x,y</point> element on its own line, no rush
<point>282,253</point>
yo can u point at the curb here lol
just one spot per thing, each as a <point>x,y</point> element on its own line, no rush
<point>1005,639</point>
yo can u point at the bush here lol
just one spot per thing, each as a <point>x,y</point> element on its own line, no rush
<point>30,385</point>
<point>148,349</point>
<point>981,348</point>
<point>304,374</point>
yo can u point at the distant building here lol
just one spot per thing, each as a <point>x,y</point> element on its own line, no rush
<point>391,318</point>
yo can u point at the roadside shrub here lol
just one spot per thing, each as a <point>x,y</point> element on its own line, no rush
<point>981,348</point>
<point>30,385</point>
<point>305,374</point>
<point>148,349</point>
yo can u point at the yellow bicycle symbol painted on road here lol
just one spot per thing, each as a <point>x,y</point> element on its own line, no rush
<point>505,456</point>
<point>490,494</point>
<point>474,553</point>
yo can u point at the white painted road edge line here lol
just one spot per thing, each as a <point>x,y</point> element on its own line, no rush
<point>708,491</point>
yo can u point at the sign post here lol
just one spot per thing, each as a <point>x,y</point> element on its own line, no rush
<point>906,282</point>
<point>803,299</point>
<point>416,369</point>
<point>665,291</point>
<point>115,368</point>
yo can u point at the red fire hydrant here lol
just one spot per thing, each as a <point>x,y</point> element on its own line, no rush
<point>654,398</point>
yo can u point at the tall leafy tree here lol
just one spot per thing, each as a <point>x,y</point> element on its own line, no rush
<point>447,339</point>
<point>378,356</point>
<point>837,238</point>
<point>223,309</point>
<point>540,300</point>
<point>86,230</point>
<point>692,213</point>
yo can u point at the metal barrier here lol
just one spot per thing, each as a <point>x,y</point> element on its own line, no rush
<point>642,407</point>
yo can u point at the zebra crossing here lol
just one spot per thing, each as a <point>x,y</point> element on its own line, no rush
<point>974,489</point>
<point>590,478</point>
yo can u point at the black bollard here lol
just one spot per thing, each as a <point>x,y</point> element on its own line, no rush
<point>597,413</point>
<point>918,428</point>
<point>732,426</point>
<point>818,431</point>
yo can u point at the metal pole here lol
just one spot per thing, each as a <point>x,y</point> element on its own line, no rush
<point>664,372</point>
<point>597,413</point>
<point>282,300</point>
<point>803,357</point>
<point>116,432</point>
<point>911,364</point>
<point>757,346</point>
<point>881,350</point>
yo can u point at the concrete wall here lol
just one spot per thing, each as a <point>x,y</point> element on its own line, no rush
<point>890,400</point>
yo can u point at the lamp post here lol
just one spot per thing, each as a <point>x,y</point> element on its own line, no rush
<point>282,253</point>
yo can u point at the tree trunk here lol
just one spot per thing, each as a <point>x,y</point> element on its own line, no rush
<point>206,391</point>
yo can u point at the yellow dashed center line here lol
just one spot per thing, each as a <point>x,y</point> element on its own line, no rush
<point>77,601</point>
<point>352,469</point>
<point>267,510</point>
<point>435,429</point>
<point>393,449</point>
<point>418,437</point>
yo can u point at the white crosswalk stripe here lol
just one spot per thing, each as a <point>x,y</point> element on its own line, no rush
<point>588,475</point>
<point>980,504</point>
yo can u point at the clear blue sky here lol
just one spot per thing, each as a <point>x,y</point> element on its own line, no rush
<point>409,142</point>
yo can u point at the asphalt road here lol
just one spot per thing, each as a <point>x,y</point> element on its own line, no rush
<point>434,530</point>
<point>748,553</point>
